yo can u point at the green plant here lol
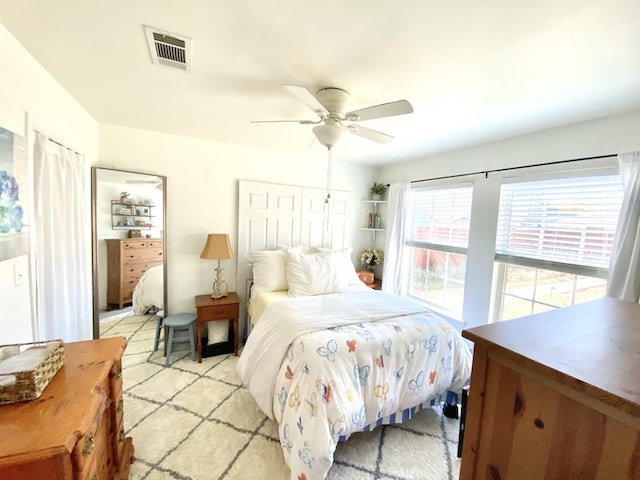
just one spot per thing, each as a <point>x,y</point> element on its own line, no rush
<point>124,194</point>
<point>378,188</point>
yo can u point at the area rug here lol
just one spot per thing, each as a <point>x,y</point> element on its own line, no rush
<point>195,421</point>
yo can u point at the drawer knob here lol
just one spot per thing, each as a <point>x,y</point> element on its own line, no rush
<point>121,437</point>
<point>89,445</point>
<point>95,477</point>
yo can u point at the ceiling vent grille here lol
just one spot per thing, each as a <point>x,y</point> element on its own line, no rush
<point>168,48</point>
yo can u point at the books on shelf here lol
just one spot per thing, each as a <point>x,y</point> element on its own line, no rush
<point>374,220</point>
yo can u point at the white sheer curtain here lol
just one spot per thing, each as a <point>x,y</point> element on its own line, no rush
<point>624,269</point>
<point>392,278</point>
<point>62,253</point>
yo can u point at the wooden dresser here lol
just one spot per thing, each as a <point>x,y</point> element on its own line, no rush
<point>556,395</point>
<point>75,429</point>
<point>127,260</point>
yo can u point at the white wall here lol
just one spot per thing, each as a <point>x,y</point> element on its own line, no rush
<point>202,194</point>
<point>27,87</point>
<point>605,136</point>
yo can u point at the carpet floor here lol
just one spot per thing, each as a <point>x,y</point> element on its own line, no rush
<point>196,421</point>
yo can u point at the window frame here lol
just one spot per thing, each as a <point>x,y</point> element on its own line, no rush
<point>435,246</point>
<point>501,261</point>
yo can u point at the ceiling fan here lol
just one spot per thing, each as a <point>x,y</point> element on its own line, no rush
<point>329,104</point>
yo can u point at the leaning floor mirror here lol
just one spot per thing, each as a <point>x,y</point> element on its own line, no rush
<point>129,260</point>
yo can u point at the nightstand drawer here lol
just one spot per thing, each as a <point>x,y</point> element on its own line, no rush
<point>217,312</point>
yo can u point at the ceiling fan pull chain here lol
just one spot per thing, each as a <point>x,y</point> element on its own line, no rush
<point>328,197</point>
<point>328,176</point>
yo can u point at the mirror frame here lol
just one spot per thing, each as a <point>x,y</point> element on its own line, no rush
<point>94,240</point>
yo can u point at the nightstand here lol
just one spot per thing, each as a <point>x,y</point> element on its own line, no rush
<point>210,310</point>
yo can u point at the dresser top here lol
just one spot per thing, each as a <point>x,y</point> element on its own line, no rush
<point>593,347</point>
<point>67,405</point>
<point>132,240</point>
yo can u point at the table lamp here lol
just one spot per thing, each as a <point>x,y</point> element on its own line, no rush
<point>218,248</point>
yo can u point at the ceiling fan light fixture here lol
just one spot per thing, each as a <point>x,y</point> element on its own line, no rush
<point>329,135</point>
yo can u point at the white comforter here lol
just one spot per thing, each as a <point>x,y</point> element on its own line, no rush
<point>149,291</point>
<point>327,366</point>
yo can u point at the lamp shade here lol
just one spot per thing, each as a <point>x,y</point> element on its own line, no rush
<point>217,247</point>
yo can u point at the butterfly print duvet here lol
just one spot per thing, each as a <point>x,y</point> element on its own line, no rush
<point>327,366</point>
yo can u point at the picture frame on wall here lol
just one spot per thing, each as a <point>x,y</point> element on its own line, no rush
<point>14,184</point>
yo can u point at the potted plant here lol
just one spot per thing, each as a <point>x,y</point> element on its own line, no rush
<point>377,190</point>
<point>123,197</point>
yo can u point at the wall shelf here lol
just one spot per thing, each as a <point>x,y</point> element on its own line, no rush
<point>125,215</point>
<point>375,221</point>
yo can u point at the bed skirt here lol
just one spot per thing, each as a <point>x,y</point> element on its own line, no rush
<point>406,414</point>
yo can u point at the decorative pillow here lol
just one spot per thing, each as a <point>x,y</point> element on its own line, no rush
<point>350,276</point>
<point>314,273</point>
<point>269,271</point>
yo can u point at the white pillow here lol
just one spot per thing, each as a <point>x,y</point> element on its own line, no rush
<point>297,248</point>
<point>314,273</point>
<point>269,271</point>
<point>350,276</point>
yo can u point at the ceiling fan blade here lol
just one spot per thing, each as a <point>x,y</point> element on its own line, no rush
<point>301,122</point>
<point>309,100</point>
<point>369,134</point>
<point>399,107</point>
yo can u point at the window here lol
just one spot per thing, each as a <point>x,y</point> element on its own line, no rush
<point>553,243</point>
<point>436,243</point>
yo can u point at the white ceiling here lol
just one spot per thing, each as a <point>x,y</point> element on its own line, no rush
<point>473,71</point>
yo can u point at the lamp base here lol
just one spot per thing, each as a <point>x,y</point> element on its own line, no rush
<point>220,287</point>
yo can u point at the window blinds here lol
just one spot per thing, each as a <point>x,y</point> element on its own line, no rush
<point>568,224</point>
<point>441,217</point>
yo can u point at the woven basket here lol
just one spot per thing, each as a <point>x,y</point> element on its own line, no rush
<point>30,384</point>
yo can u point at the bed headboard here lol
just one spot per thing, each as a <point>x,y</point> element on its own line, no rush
<point>271,214</point>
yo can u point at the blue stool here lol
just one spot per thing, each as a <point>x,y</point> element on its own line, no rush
<point>181,323</point>
<point>159,329</point>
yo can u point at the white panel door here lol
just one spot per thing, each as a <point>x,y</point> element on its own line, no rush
<point>268,216</point>
<point>325,224</point>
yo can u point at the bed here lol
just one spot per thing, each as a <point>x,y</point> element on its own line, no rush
<point>325,365</point>
<point>148,294</point>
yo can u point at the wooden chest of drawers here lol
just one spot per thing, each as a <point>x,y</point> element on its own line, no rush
<point>127,260</point>
<point>75,429</point>
<point>556,395</point>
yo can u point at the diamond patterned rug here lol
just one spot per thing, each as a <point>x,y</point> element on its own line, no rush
<point>196,421</point>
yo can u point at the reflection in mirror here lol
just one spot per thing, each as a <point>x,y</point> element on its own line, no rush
<point>129,265</point>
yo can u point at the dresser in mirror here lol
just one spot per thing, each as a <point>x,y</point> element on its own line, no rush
<point>129,254</point>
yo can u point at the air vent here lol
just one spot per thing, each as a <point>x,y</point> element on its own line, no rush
<point>168,48</point>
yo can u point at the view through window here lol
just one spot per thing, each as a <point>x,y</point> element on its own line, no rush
<point>554,243</point>
<point>437,241</point>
